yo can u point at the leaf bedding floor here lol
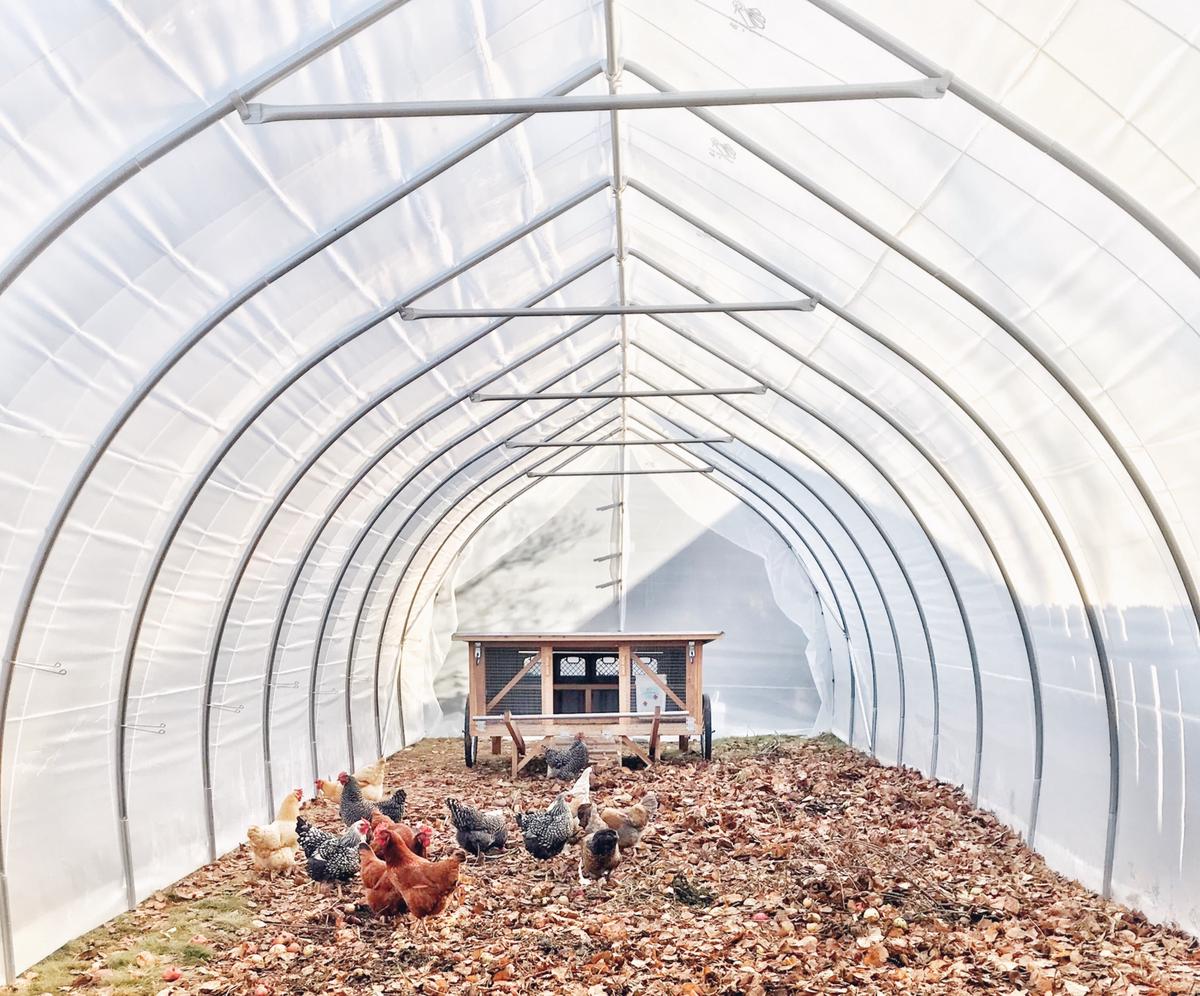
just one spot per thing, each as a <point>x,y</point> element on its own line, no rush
<point>786,866</point>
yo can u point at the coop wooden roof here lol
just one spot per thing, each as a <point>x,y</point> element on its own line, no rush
<point>588,639</point>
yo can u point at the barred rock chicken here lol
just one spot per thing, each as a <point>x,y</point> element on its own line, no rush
<point>393,807</point>
<point>424,886</point>
<point>546,834</point>
<point>631,823</point>
<point>311,837</point>
<point>335,859</point>
<point>354,807</point>
<point>567,763</point>
<point>477,831</point>
<point>272,847</point>
<point>599,856</point>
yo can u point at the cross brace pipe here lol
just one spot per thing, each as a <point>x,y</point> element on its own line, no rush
<point>919,89</point>
<point>567,311</point>
<point>614,395</point>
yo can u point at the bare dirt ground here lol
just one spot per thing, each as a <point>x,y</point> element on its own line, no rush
<point>784,866</point>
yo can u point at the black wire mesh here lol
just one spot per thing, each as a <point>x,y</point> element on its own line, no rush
<point>670,664</point>
<point>501,664</point>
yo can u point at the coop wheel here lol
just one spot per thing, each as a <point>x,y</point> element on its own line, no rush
<point>706,734</point>
<point>470,743</point>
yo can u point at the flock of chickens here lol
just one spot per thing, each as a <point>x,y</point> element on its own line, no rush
<point>393,860</point>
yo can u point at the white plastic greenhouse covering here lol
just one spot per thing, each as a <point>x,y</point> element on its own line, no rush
<point>245,501</point>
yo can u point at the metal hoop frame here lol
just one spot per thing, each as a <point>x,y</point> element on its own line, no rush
<point>112,181</point>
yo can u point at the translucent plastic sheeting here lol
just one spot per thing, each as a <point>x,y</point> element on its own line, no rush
<point>233,478</point>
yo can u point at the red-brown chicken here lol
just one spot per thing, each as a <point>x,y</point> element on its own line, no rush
<point>382,890</point>
<point>417,841</point>
<point>424,886</point>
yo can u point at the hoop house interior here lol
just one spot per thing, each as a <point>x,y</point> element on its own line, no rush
<point>246,500</point>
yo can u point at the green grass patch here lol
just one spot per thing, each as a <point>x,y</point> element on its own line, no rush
<point>130,952</point>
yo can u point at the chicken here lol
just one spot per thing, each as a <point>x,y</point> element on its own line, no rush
<point>268,852</point>
<point>311,837</point>
<point>578,797</point>
<point>330,790</point>
<point>353,807</point>
<point>631,823</point>
<point>272,847</point>
<point>335,859</point>
<point>599,856</point>
<point>477,831</point>
<point>567,763</point>
<point>417,841</point>
<point>370,780</point>
<point>546,834</point>
<point>424,886</point>
<point>393,808</point>
<point>370,783</point>
<point>587,818</point>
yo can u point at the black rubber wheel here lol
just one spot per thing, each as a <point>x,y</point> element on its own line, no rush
<point>706,733</point>
<point>470,743</point>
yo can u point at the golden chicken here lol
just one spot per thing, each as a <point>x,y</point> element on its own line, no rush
<point>631,823</point>
<point>273,846</point>
<point>370,783</point>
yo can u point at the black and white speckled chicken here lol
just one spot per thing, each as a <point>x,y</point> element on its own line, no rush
<point>336,860</point>
<point>478,831</point>
<point>393,806</point>
<point>311,837</point>
<point>567,763</point>
<point>546,834</point>
<point>353,806</point>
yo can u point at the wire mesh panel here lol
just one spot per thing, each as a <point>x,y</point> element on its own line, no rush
<point>670,664</point>
<point>501,665</point>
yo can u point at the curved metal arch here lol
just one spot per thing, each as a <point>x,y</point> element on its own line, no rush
<point>417,547</point>
<point>817,561</point>
<point>714,479</point>
<point>1095,631</point>
<point>109,433</point>
<point>79,205</point>
<point>821,500</point>
<point>895,424</point>
<point>180,349</point>
<point>314,536</point>
<point>391,601</point>
<point>979,303</point>
<point>236,433</point>
<point>1019,127</point>
<point>369,524</point>
<point>318,644</point>
<point>861,505</point>
<point>1047,364</point>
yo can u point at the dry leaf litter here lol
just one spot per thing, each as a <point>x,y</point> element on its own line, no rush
<point>784,866</point>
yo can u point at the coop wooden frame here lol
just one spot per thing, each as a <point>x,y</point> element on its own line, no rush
<point>492,714</point>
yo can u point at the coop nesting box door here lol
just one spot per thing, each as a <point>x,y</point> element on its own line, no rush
<point>650,697</point>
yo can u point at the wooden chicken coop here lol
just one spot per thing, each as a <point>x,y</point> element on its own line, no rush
<point>618,689</point>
